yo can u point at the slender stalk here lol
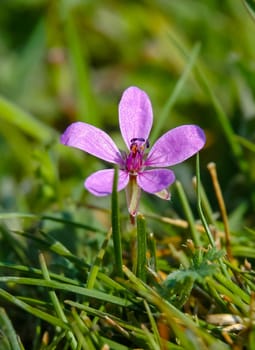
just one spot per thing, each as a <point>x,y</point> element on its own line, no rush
<point>213,172</point>
<point>205,202</point>
<point>116,227</point>
<point>188,213</point>
<point>199,206</point>
<point>141,248</point>
<point>153,252</point>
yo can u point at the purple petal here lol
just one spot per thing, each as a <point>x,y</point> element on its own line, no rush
<point>155,180</point>
<point>135,115</point>
<point>176,145</point>
<point>92,140</point>
<point>100,183</point>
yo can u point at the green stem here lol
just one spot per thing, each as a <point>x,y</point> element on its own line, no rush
<point>153,252</point>
<point>205,203</point>
<point>141,248</point>
<point>188,213</point>
<point>116,227</point>
<point>199,206</point>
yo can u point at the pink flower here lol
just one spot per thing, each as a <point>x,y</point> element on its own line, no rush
<point>136,165</point>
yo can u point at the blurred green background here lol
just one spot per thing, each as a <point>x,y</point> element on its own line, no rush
<point>68,60</point>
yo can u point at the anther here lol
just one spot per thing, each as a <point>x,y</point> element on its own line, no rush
<point>137,139</point>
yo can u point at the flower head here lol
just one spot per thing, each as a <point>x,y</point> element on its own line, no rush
<point>139,167</point>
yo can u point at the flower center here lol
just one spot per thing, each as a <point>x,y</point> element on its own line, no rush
<point>135,158</point>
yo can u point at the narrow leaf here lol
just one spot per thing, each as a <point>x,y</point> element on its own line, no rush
<point>116,227</point>
<point>250,6</point>
<point>90,293</point>
<point>141,248</point>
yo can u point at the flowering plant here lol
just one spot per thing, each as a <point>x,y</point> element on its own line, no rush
<point>136,165</point>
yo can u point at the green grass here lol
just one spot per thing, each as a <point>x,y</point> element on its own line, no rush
<point>74,272</point>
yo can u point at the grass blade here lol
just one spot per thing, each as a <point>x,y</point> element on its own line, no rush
<point>141,248</point>
<point>116,227</point>
<point>33,310</point>
<point>55,302</point>
<point>250,6</point>
<point>98,262</point>
<point>68,288</point>
<point>8,333</point>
